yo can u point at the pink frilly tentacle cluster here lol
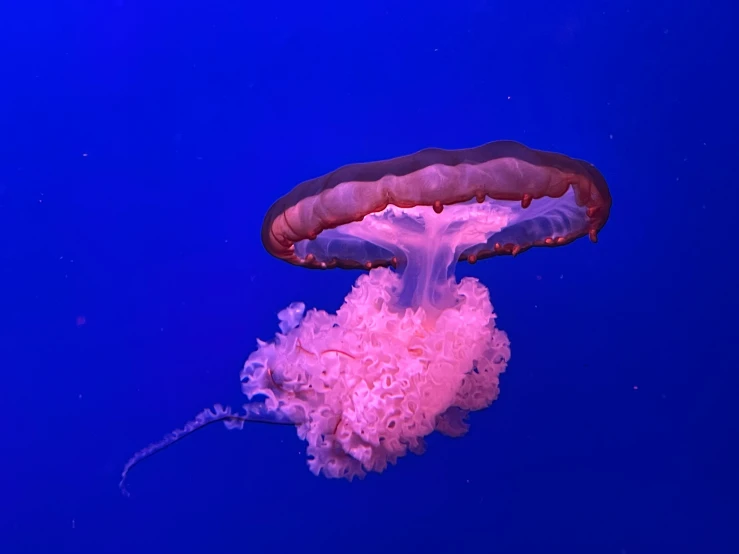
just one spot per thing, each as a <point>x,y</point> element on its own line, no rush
<point>366,385</point>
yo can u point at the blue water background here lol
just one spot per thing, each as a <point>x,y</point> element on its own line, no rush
<point>141,144</point>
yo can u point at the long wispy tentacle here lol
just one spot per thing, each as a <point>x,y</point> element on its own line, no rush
<point>253,413</point>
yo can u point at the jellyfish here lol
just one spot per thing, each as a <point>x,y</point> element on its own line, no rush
<point>412,350</point>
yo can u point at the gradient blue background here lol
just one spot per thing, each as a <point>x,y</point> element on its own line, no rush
<point>141,144</point>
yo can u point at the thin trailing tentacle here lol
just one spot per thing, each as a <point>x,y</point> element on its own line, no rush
<point>253,413</point>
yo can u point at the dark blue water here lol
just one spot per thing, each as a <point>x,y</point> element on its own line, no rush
<point>141,144</point>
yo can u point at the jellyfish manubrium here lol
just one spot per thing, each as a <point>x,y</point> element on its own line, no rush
<point>412,350</point>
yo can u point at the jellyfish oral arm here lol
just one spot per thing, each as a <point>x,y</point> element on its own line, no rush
<point>368,383</point>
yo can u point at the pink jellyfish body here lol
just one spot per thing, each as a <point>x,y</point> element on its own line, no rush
<point>411,350</point>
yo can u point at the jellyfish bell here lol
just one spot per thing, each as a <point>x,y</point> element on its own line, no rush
<point>412,350</point>
<point>429,209</point>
